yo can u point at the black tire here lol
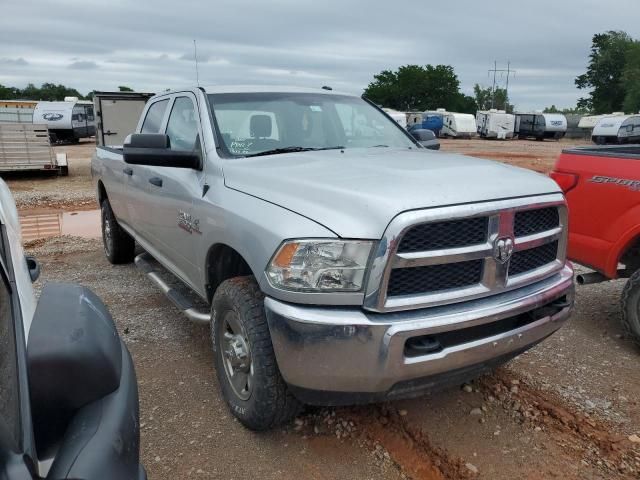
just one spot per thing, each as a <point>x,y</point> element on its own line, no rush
<point>631,307</point>
<point>64,171</point>
<point>119,246</point>
<point>266,402</point>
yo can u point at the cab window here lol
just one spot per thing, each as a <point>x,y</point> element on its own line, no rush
<point>9,400</point>
<point>182,127</point>
<point>153,119</point>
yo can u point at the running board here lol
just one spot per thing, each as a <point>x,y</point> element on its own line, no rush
<point>183,304</point>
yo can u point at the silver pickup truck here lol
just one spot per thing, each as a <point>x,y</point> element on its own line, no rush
<point>343,262</point>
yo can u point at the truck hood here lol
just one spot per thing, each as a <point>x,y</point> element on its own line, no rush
<point>356,193</point>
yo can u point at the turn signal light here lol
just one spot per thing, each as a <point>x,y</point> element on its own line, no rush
<point>566,181</point>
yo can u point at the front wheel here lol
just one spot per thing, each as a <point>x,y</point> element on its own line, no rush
<point>119,246</point>
<point>245,362</point>
<point>631,307</point>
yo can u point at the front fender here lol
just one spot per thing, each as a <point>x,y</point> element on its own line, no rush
<point>252,227</point>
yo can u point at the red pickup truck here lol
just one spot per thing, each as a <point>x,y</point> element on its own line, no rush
<point>602,186</point>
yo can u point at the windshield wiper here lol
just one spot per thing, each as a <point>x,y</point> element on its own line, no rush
<point>381,145</point>
<point>276,151</point>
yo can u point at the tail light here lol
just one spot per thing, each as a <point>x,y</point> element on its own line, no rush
<point>566,181</point>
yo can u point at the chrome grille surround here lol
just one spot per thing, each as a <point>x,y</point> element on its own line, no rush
<point>495,277</point>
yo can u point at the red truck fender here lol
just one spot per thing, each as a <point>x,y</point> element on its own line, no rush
<point>626,240</point>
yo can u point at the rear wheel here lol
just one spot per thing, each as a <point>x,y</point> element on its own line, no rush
<point>119,246</point>
<point>631,307</point>
<point>245,362</point>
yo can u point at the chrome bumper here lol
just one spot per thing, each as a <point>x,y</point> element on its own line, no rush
<point>353,351</point>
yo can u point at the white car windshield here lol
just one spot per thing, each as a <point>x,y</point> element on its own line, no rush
<point>264,123</point>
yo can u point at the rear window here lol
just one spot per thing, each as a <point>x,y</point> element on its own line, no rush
<point>153,119</point>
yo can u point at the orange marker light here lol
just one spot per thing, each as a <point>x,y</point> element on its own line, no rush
<point>285,255</point>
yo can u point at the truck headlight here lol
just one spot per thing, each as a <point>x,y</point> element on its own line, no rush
<point>320,265</point>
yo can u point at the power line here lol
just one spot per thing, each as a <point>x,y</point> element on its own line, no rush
<point>495,70</point>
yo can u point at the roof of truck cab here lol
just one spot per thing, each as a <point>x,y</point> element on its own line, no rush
<point>269,89</point>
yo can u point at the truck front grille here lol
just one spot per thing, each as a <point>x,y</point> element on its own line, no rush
<point>527,260</point>
<point>529,222</point>
<point>434,236</point>
<point>434,258</point>
<point>434,278</point>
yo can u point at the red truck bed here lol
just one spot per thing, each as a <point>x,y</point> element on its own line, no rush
<point>602,186</point>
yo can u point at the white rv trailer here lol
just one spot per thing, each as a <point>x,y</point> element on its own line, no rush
<point>495,124</point>
<point>618,129</point>
<point>555,125</point>
<point>399,117</point>
<point>459,125</point>
<point>68,120</point>
<point>590,121</point>
<point>540,125</point>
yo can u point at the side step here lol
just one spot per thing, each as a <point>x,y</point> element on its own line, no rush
<point>143,262</point>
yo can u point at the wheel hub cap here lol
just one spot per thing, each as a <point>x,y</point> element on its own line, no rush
<point>236,355</point>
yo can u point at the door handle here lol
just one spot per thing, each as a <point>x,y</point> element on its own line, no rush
<point>127,171</point>
<point>155,181</point>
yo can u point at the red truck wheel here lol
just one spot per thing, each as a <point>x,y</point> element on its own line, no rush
<point>631,307</point>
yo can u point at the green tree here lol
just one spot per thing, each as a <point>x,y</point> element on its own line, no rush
<point>466,104</point>
<point>631,79</point>
<point>416,87</point>
<point>124,88</point>
<point>483,98</point>
<point>7,93</point>
<point>604,75</point>
<point>554,109</point>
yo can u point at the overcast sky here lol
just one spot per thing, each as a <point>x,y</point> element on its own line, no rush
<point>149,45</point>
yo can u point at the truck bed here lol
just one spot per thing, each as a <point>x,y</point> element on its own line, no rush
<point>617,151</point>
<point>603,192</point>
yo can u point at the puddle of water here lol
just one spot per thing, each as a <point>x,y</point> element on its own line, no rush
<point>53,224</point>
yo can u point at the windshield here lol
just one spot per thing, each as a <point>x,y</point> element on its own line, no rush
<point>260,123</point>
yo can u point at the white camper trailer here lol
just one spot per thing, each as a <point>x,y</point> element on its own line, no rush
<point>588,122</point>
<point>540,125</point>
<point>495,124</point>
<point>555,125</point>
<point>618,129</point>
<point>399,117</point>
<point>459,125</point>
<point>67,121</point>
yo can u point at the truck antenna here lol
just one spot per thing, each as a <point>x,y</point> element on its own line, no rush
<point>195,57</point>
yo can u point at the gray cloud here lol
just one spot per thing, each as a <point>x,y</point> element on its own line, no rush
<point>333,42</point>
<point>17,62</point>
<point>83,65</point>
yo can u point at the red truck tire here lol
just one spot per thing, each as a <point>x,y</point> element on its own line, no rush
<point>631,307</point>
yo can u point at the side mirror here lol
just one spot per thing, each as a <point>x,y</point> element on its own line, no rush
<point>154,149</point>
<point>426,138</point>
<point>423,135</point>
<point>74,357</point>
<point>34,267</point>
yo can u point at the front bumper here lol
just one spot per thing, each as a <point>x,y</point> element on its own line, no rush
<point>347,355</point>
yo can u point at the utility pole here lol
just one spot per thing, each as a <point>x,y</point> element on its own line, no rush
<point>501,70</point>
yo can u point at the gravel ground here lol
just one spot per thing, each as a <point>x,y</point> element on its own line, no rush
<point>566,409</point>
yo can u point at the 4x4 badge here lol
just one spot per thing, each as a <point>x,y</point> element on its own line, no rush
<point>503,249</point>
